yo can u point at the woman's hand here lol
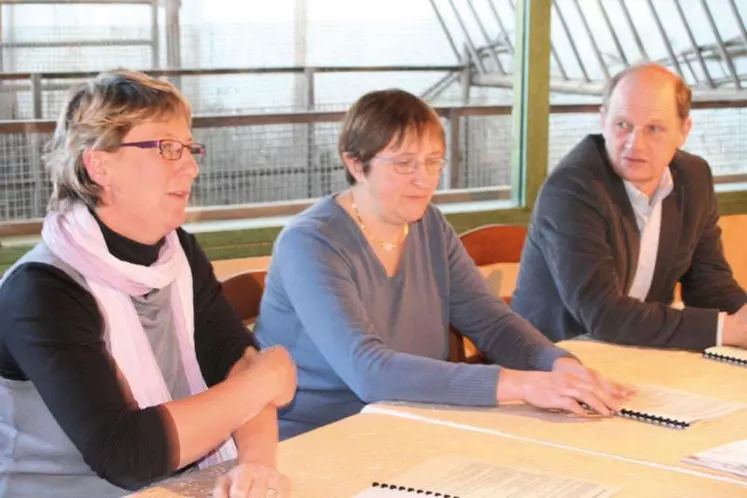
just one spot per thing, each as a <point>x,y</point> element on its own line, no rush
<point>252,480</point>
<point>570,387</point>
<point>615,390</point>
<point>275,363</point>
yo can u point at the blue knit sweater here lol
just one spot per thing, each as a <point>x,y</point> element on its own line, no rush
<point>359,336</point>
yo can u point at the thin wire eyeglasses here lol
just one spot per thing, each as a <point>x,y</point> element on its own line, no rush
<point>409,166</point>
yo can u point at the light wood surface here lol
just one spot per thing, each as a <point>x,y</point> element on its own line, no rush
<point>354,452</point>
<point>733,229</point>
<point>342,459</point>
<point>670,368</point>
<point>225,268</point>
<point>619,436</point>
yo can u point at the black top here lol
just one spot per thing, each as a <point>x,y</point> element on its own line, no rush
<point>51,333</point>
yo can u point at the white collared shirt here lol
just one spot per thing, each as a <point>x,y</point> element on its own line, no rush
<point>648,218</point>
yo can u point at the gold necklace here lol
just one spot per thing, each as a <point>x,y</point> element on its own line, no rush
<point>386,245</point>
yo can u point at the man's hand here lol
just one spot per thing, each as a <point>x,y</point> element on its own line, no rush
<point>735,329</point>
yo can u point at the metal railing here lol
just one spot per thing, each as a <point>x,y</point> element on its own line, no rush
<point>38,83</point>
<point>278,163</point>
<point>263,164</point>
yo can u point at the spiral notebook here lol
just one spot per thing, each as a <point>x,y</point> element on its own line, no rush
<point>451,476</point>
<point>727,354</point>
<point>673,408</point>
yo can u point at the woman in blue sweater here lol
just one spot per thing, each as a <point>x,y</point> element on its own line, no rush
<point>362,288</point>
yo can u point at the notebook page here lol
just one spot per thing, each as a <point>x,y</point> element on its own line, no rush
<point>467,478</point>
<point>679,405</point>
<point>729,352</point>
<point>731,457</point>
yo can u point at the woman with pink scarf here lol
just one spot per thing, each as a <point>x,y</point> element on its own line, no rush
<point>121,363</point>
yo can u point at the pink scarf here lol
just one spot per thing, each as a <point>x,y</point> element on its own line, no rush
<point>75,237</point>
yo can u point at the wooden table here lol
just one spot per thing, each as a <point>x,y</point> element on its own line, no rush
<point>343,458</point>
<point>616,436</point>
<point>683,370</point>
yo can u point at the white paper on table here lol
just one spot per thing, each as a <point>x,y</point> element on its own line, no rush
<point>731,457</point>
<point>678,405</point>
<point>467,478</point>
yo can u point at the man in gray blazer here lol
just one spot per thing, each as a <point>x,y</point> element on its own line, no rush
<point>621,220</point>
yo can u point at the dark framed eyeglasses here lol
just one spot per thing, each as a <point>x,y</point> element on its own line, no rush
<point>170,149</point>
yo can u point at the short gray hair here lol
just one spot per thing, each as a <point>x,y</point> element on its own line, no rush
<point>97,115</point>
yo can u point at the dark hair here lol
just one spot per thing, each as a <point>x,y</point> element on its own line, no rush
<point>379,117</point>
<point>682,92</point>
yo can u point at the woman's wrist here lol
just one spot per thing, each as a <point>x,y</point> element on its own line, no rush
<point>510,385</point>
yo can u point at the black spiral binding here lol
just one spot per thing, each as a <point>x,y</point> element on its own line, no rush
<point>653,419</point>
<point>725,358</point>
<point>415,491</point>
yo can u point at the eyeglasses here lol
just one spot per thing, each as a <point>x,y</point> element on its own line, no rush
<point>408,166</point>
<point>170,149</point>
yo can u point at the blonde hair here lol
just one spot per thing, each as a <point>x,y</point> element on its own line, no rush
<point>97,115</point>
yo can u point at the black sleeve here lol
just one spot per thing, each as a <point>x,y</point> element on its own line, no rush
<point>51,333</point>
<point>220,337</point>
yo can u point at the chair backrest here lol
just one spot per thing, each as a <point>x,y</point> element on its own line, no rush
<point>244,293</point>
<point>495,244</point>
<point>487,245</point>
<point>490,244</point>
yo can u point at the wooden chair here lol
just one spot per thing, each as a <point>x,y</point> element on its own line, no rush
<point>486,245</point>
<point>492,244</point>
<point>244,293</point>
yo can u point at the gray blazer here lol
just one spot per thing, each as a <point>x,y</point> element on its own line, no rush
<point>581,254</point>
